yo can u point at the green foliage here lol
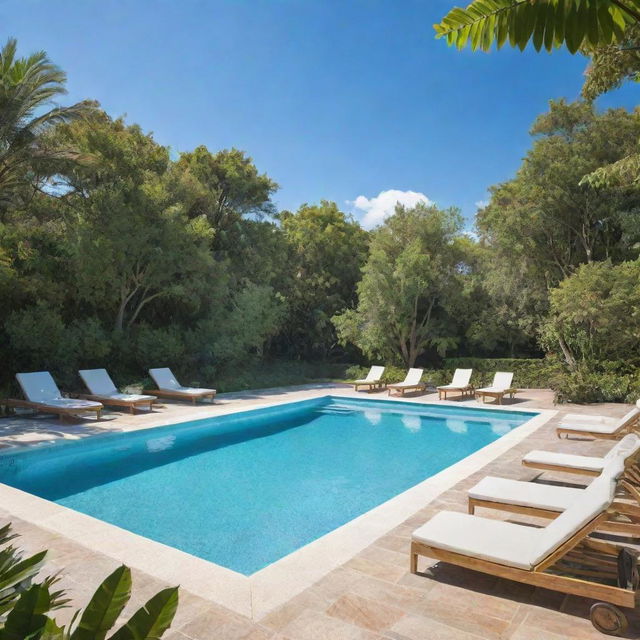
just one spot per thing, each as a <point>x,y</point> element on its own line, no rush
<point>595,313</point>
<point>326,251</point>
<point>28,86</point>
<point>600,382</point>
<point>612,65</point>
<point>544,23</point>
<point>407,296</point>
<point>26,606</point>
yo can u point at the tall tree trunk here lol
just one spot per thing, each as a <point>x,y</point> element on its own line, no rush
<point>568,356</point>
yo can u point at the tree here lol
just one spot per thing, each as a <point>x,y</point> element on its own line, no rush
<point>224,187</point>
<point>612,65</point>
<point>595,313</point>
<point>131,242</point>
<point>550,24</point>
<point>409,287</point>
<point>543,218</point>
<point>28,87</point>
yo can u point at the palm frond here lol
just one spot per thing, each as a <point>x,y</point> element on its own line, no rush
<point>545,24</point>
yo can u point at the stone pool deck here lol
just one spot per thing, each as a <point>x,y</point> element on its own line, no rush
<point>372,595</point>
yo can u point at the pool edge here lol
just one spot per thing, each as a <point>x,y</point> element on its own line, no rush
<point>256,595</point>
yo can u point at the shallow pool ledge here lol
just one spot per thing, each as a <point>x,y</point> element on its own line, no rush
<point>255,595</point>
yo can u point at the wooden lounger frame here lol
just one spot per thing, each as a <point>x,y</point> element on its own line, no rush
<point>372,384</point>
<point>118,402</point>
<point>498,395</point>
<point>627,427</point>
<point>628,522</point>
<point>420,386</point>
<point>574,470</point>
<point>442,391</point>
<point>580,566</point>
<point>61,412</point>
<point>181,395</point>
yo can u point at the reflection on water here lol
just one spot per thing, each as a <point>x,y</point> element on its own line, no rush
<point>456,426</point>
<point>372,416</point>
<point>160,444</point>
<point>412,423</point>
<point>500,428</point>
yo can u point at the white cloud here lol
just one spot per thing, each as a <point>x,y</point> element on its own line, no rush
<point>481,204</point>
<point>379,207</point>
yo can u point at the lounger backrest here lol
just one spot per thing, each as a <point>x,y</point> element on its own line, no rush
<point>164,378</point>
<point>593,501</point>
<point>614,467</point>
<point>413,376</point>
<point>98,382</point>
<point>461,377</point>
<point>631,416</point>
<point>375,373</point>
<point>628,446</point>
<point>502,380</point>
<point>38,386</point>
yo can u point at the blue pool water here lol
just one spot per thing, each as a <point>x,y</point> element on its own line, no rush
<point>246,489</point>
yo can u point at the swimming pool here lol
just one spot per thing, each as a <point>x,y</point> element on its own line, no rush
<point>265,481</point>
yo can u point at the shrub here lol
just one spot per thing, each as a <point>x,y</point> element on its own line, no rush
<point>597,383</point>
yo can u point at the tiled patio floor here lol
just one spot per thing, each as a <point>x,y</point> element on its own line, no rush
<point>373,595</point>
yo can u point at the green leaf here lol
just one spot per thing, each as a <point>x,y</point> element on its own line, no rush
<point>51,631</point>
<point>28,615</point>
<point>22,570</point>
<point>152,620</point>
<point>105,606</point>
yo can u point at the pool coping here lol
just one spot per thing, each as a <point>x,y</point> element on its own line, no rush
<point>255,595</point>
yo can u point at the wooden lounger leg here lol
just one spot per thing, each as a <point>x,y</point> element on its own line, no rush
<point>414,561</point>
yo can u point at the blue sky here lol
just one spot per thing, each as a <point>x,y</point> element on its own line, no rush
<point>334,99</point>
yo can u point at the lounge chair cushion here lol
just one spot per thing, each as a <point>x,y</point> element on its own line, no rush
<point>493,540</point>
<point>588,463</point>
<point>527,494</point>
<point>412,379</point>
<point>593,501</point>
<point>98,382</point>
<point>70,403</point>
<point>592,428</point>
<point>38,386</point>
<point>374,375</point>
<point>599,426</point>
<point>628,446</point>
<point>513,544</point>
<point>165,379</point>
<point>131,397</point>
<point>461,378</point>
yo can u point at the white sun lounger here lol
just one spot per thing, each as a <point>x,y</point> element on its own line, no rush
<point>500,387</point>
<point>560,556</point>
<point>42,394</point>
<point>410,383</point>
<point>373,379</point>
<point>573,463</point>
<point>532,498</point>
<point>459,384</point>
<point>169,387</point>
<point>601,427</point>
<point>102,389</point>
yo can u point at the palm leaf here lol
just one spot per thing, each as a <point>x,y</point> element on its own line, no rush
<point>152,620</point>
<point>105,606</point>
<point>552,23</point>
